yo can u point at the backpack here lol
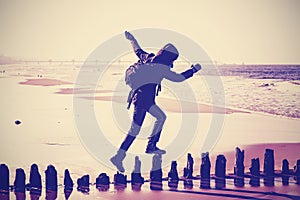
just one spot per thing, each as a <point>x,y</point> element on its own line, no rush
<point>133,78</point>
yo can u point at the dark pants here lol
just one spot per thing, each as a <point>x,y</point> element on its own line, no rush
<point>137,122</point>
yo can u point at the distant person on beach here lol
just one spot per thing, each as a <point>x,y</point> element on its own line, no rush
<point>156,68</point>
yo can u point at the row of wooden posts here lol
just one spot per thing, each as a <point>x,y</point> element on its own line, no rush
<point>156,175</point>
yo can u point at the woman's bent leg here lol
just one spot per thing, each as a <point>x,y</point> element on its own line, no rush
<point>138,119</point>
<point>160,116</point>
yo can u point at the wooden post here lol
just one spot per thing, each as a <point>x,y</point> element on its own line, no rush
<point>68,184</point>
<point>51,178</point>
<point>173,178</point>
<point>136,178</point>
<point>120,181</point>
<point>35,181</point>
<point>19,183</point>
<point>285,172</point>
<point>220,172</point>
<point>51,182</point>
<point>188,184</point>
<point>156,173</point>
<point>255,174</point>
<point>4,182</point>
<point>239,168</point>
<point>205,171</point>
<point>297,172</point>
<point>102,182</point>
<point>83,184</point>
<point>188,170</point>
<point>269,167</point>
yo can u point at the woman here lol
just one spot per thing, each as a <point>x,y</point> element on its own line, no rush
<point>143,97</point>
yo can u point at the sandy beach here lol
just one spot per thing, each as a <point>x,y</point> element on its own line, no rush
<point>231,121</point>
<point>47,135</point>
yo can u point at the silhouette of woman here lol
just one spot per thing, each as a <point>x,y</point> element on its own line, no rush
<point>143,98</point>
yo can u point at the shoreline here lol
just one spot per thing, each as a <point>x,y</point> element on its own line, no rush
<point>165,102</point>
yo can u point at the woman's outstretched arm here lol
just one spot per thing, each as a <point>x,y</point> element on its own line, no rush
<point>176,77</point>
<point>135,45</point>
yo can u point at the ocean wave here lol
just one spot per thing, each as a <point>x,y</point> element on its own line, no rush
<point>282,72</point>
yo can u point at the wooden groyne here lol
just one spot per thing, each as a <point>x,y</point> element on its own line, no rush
<point>103,182</point>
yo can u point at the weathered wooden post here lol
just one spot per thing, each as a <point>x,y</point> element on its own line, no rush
<point>220,172</point>
<point>297,172</point>
<point>68,184</point>
<point>255,172</point>
<point>120,181</point>
<point>156,173</point>
<point>102,182</point>
<point>173,178</point>
<point>239,168</point>
<point>188,184</point>
<point>285,172</point>
<point>51,182</point>
<point>188,170</point>
<point>35,181</point>
<point>269,167</point>
<point>51,178</point>
<point>205,171</point>
<point>83,184</point>
<point>19,183</point>
<point>4,182</point>
<point>136,178</point>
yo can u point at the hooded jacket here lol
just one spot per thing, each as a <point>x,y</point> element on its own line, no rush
<point>161,65</point>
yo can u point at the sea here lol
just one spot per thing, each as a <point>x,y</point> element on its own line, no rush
<point>278,72</point>
<point>265,88</point>
<point>272,89</point>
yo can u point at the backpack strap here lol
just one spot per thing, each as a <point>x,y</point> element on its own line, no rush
<point>130,97</point>
<point>158,89</point>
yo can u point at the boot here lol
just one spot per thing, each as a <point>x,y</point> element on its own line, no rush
<point>118,159</point>
<point>153,149</point>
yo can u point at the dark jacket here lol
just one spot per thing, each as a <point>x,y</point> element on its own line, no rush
<point>145,95</point>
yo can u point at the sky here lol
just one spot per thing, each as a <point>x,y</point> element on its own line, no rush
<point>231,31</point>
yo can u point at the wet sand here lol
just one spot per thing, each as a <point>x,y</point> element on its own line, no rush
<point>44,82</point>
<point>47,136</point>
